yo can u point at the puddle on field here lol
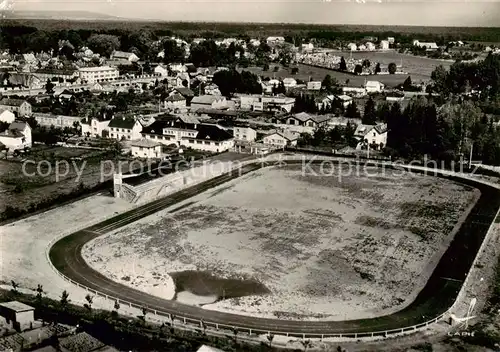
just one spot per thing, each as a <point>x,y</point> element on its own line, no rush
<point>201,287</point>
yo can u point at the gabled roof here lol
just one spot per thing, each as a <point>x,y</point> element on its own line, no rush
<point>11,102</point>
<point>156,127</point>
<point>186,92</point>
<point>175,97</point>
<point>213,133</point>
<point>16,306</point>
<point>122,54</point>
<point>302,116</point>
<point>122,122</point>
<point>18,125</point>
<point>188,119</point>
<point>285,134</point>
<point>382,128</point>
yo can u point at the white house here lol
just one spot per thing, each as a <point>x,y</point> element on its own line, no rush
<point>345,99</point>
<point>161,70</point>
<point>352,47</point>
<point>289,82</point>
<point>374,87</point>
<point>98,74</point>
<point>354,91</point>
<point>426,45</point>
<point>146,148</point>
<point>384,44</point>
<point>307,47</point>
<point>17,106</point>
<point>95,127</point>
<point>373,136</point>
<point>275,40</point>
<point>122,127</point>
<point>16,136</point>
<point>59,121</point>
<point>175,101</point>
<point>122,55</point>
<point>280,139</point>
<point>212,89</point>
<point>245,134</point>
<point>7,116</point>
<point>391,40</point>
<point>370,46</point>
<point>314,85</point>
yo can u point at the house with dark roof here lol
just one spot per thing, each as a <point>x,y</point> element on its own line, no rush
<point>374,136</point>
<point>209,138</point>
<point>174,101</point>
<point>96,126</point>
<point>121,127</point>
<point>19,107</point>
<point>208,102</point>
<point>16,136</point>
<point>187,93</point>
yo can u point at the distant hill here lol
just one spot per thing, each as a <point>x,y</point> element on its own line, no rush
<point>60,15</point>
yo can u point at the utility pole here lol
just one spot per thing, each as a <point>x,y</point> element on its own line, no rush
<point>470,156</point>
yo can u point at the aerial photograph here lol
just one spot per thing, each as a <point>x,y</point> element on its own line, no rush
<point>250,176</point>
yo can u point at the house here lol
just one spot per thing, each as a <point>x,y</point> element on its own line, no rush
<point>7,116</point>
<point>206,348</point>
<point>256,102</point>
<point>314,85</point>
<point>19,315</point>
<point>275,40</point>
<point>208,101</point>
<point>62,75</point>
<point>352,47</point>
<point>18,106</point>
<point>306,120</point>
<point>210,138</point>
<point>121,127</point>
<point>384,44</point>
<point>429,46</point>
<point>161,70</point>
<point>307,47</point>
<point>66,94</point>
<point>59,121</point>
<point>374,87</point>
<point>187,93</point>
<point>122,55</point>
<point>174,101</point>
<point>370,46</point>
<point>345,99</point>
<point>391,40</point>
<point>146,148</point>
<point>245,134</point>
<point>373,136</point>
<point>354,91</point>
<point>289,82</point>
<point>280,139</point>
<point>212,89</point>
<point>16,136</point>
<point>177,67</point>
<point>98,74</point>
<point>95,126</point>
<point>362,47</point>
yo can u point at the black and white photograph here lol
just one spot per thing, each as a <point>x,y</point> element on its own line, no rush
<point>249,175</point>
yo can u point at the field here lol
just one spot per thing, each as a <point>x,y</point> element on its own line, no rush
<point>278,243</point>
<point>419,68</point>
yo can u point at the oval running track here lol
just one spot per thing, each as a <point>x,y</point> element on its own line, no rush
<point>436,297</point>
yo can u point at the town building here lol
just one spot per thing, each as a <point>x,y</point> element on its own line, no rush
<point>146,148</point>
<point>17,136</point>
<point>175,101</point>
<point>161,70</point>
<point>373,136</point>
<point>280,139</point>
<point>187,93</point>
<point>126,56</point>
<point>244,134</point>
<point>66,75</point>
<point>352,47</point>
<point>384,44</point>
<point>314,85</point>
<point>370,46</point>
<point>354,91</point>
<point>59,121</point>
<point>429,46</point>
<point>279,103</point>
<point>289,82</point>
<point>275,40</point>
<point>208,102</point>
<point>124,128</point>
<point>95,127</point>
<point>7,116</point>
<point>19,107</point>
<point>374,87</point>
<point>18,315</point>
<point>98,74</point>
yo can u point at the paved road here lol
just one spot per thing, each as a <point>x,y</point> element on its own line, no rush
<point>438,294</point>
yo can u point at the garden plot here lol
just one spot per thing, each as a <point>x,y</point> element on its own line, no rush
<point>278,243</point>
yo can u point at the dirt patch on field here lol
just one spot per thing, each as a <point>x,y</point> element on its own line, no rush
<point>325,247</point>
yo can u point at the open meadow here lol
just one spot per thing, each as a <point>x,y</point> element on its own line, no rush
<point>281,243</point>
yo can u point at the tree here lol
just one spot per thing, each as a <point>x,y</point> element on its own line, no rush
<point>358,69</point>
<point>342,65</point>
<point>64,301</point>
<point>352,111</point>
<point>39,293</point>
<point>15,287</point>
<point>144,312</point>
<point>116,307</point>
<point>370,115</point>
<point>377,68</point>
<point>89,300</point>
<point>392,68</point>
<point>270,338</point>
<point>172,52</point>
<point>366,63</point>
<point>103,44</point>
<point>439,78</point>
<point>306,343</point>
<point>407,84</point>
<point>328,83</point>
<point>295,70</point>
<point>265,67</point>
<point>49,87</point>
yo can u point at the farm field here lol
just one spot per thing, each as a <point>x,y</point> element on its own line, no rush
<point>278,243</point>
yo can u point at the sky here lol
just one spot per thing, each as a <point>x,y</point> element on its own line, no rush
<point>473,13</point>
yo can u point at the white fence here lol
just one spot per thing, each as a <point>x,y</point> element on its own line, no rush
<point>254,332</point>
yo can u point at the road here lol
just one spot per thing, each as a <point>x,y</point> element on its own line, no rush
<point>434,299</point>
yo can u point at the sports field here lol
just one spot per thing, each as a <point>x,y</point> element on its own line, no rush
<point>281,243</point>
